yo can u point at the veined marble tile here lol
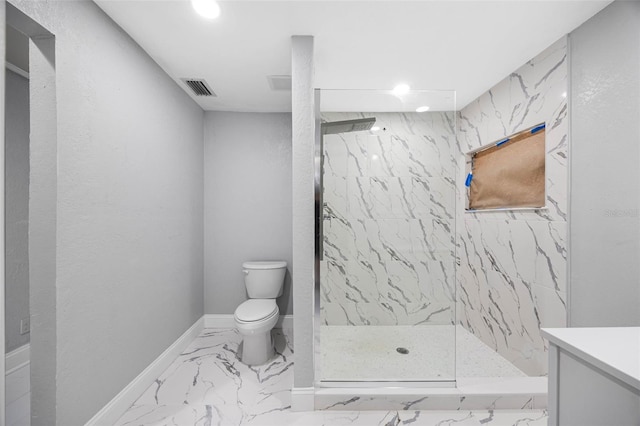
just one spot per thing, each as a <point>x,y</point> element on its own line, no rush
<point>327,418</point>
<point>533,94</point>
<point>357,154</point>
<point>431,402</point>
<point>205,416</point>
<point>512,273</point>
<point>345,154</point>
<point>436,273</point>
<point>401,156</point>
<point>551,254</point>
<point>334,198</point>
<point>338,236</point>
<point>431,235</point>
<point>384,239</point>
<point>416,290</point>
<point>530,93</point>
<point>358,198</point>
<point>207,385</point>
<point>442,123</point>
<point>209,373</point>
<point>538,87</point>
<point>336,156</point>
<point>427,151</point>
<point>552,306</point>
<point>391,247</point>
<point>197,415</point>
<point>380,197</point>
<point>474,418</point>
<point>433,197</point>
<point>390,197</point>
<point>340,284</point>
<point>394,197</point>
<point>500,297</point>
<point>345,300</point>
<point>350,294</point>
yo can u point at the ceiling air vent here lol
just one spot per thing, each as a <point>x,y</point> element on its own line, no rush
<point>279,82</point>
<point>198,86</point>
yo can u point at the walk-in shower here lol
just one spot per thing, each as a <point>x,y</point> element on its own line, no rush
<point>385,300</point>
<point>385,232</point>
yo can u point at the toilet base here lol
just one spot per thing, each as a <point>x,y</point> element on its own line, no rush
<point>257,348</point>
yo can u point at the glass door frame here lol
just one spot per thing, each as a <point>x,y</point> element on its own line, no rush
<point>318,257</point>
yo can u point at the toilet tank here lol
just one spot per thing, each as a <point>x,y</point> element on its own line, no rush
<point>264,280</point>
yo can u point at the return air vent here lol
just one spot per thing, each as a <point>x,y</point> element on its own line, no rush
<point>198,86</point>
<point>279,83</point>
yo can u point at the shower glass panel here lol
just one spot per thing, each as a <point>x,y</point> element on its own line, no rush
<point>385,193</point>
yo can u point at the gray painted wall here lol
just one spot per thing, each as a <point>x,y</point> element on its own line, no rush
<point>16,151</point>
<point>129,270</point>
<point>247,202</point>
<point>2,95</point>
<point>605,177</point>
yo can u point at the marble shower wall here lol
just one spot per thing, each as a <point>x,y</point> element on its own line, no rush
<point>512,273</point>
<point>389,228</point>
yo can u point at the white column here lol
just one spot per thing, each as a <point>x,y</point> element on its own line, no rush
<point>303,131</point>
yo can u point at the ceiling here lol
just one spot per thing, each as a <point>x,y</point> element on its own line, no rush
<point>461,46</point>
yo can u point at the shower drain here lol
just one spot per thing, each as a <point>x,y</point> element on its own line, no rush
<point>402,351</point>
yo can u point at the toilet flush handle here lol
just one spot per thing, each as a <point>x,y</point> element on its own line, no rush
<point>246,272</point>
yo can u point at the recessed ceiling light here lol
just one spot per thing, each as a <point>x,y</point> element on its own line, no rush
<point>375,128</point>
<point>423,108</point>
<point>401,89</point>
<point>209,9</point>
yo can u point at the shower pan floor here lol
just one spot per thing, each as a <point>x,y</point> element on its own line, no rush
<point>435,353</point>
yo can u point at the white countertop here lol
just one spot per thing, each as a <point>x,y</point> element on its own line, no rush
<point>615,350</point>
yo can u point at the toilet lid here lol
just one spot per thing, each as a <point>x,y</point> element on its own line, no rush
<point>275,264</point>
<point>256,310</point>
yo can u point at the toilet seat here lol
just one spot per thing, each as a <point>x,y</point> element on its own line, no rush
<point>256,310</point>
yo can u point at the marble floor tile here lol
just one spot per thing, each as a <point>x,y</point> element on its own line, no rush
<point>473,418</point>
<point>208,385</point>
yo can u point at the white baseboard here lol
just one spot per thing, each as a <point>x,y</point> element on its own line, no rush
<point>285,321</point>
<point>17,358</point>
<point>219,321</point>
<point>227,321</point>
<point>302,399</point>
<point>111,412</point>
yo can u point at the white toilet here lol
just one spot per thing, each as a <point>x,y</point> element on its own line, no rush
<point>257,316</point>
